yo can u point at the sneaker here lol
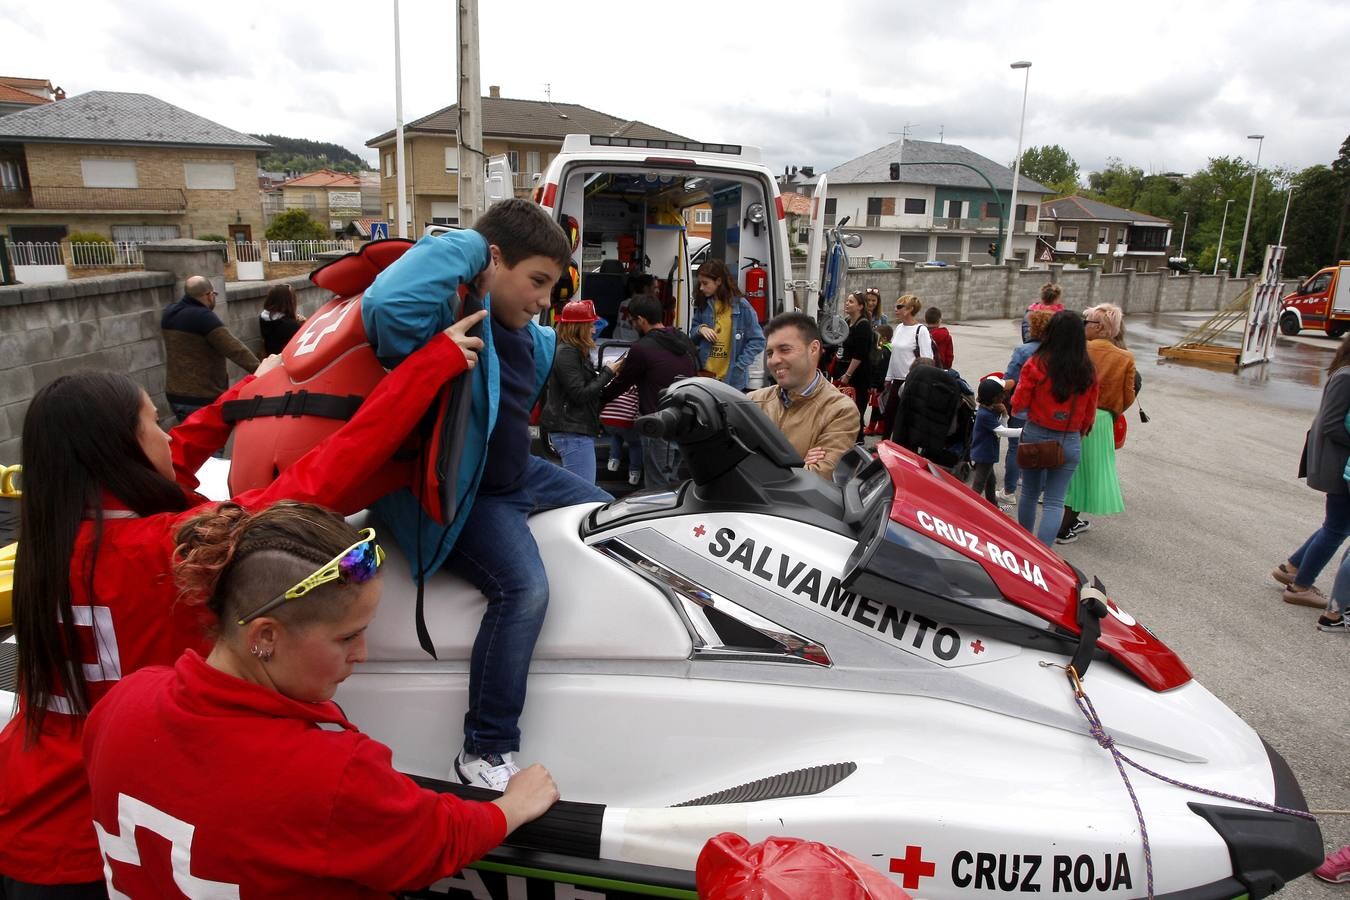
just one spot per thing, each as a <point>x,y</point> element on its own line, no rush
<point>1009,497</point>
<point>1079,526</point>
<point>1309,596</point>
<point>1284,574</point>
<point>491,770</point>
<point>1338,625</point>
<point>635,477</point>
<point>612,464</point>
<point>1335,869</point>
<point>1066,537</point>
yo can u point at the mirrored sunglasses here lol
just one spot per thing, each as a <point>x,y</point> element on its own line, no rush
<point>355,565</point>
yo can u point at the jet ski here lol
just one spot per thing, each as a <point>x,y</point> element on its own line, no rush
<point>883,663</point>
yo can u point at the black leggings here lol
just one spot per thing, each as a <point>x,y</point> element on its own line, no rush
<point>982,481</point>
<point>22,890</point>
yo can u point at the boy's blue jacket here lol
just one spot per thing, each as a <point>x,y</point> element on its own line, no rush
<point>405,307</point>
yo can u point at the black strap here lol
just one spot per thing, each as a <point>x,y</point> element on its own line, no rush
<point>294,404</point>
<point>1091,611</point>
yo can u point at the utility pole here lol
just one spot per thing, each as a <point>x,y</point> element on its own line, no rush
<point>401,182</point>
<point>469,106</point>
<point>1006,250</point>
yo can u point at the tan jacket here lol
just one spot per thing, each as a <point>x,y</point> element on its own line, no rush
<point>827,419</point>
<point>1115,375</point>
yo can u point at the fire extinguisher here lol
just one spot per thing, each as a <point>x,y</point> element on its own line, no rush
<point>757,288</point>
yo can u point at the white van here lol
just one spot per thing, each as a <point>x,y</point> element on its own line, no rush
<point>628,197</point>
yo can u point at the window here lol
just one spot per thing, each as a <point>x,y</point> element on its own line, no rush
<point>389,213</point>
<point>452,160</point>
<point>532,162</point>
<point>389,164</point>
<point>914,247</point>
<point>954,209</point>
<point>144,232</point>
<point>309,201</point>
<point>1314,285</point>
<point>1102,233</point>
<point>703,217</point>
<point>1022,211</point>
<point>873,206</point>
<point>915,206</point>
<point>11,175</point>
<point>208,176</point>
<point>109,173</point>
<point>1068,234</point>
<point>514,157</point>
<point>444,212</point>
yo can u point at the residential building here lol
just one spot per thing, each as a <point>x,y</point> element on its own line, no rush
<point>1089,231</point>
<point>698,220</point>
<point>331,198</point>
<point>127,166</point>
<point>924,201</point>
<point>529,132</point>
<point>18,94</point>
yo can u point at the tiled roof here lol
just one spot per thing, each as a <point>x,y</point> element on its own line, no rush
<point>504,117</point>
<point>14,95</point>
<point>1081,208</point>
<point>795,204</point>
<point>324,178</point>
<point>112,117</point>
<point>874,168</point>
<point>25,82</point>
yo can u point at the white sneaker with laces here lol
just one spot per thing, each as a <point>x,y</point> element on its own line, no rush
<point>635,477</point>
<point>612,464</point>
<point>491,770</point>
<point>1007,497</point>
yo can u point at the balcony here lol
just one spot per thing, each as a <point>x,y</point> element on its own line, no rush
<point>83,199</point>
<point>912,222</point>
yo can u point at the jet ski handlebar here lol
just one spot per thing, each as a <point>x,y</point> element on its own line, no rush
<point>667,423</point>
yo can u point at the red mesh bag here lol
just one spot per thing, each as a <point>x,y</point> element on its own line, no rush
<point>781,868</point>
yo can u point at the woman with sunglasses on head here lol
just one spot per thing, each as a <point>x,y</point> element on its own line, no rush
<point>872,303</point>
<point>244,749</point>
<point>104,492</point>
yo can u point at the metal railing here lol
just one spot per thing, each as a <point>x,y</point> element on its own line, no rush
<point>36,253</point>
<point>16,198</point>
<point>82,198</point>
<point>115,253</point>
<point>304,251</point>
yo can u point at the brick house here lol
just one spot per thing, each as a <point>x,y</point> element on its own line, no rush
<point>529,132</point>
<point>127,166</point>
<point>18,94</point>
<point>922,200</point>
<point>331,198</point>
<point>1083,230</point>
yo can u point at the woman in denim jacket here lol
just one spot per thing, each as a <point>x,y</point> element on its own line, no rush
<point>725,328</point>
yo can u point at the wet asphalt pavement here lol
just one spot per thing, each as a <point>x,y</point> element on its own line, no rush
<point>1212,505</point>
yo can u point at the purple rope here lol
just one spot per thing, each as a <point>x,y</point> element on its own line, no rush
<point>1098,732</point>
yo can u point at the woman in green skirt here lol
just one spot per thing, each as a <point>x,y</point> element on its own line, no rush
<point>1095,487</point>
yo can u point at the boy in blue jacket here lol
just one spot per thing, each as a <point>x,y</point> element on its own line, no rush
<point>512,258</point>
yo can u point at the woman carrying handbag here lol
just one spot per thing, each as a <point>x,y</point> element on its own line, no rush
<point>1057,396</point>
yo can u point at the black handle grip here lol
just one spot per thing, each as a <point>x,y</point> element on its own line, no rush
<point>664,423</point>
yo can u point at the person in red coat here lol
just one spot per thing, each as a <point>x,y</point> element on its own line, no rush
<point>252,779</point>
<point>104,492</point>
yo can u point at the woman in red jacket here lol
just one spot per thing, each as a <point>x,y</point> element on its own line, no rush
<point>228,758</point>
<point>1057,396</point>
<point>104,492</point>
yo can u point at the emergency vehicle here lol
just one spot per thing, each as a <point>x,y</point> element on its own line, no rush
<point>1321,303</point>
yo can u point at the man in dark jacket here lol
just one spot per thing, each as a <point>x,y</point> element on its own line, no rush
<point>196,345</point>
<point>660,356</point>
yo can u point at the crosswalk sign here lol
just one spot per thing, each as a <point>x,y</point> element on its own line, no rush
<point>379,231</point>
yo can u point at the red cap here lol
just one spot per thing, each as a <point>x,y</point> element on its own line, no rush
<point>578,311</point>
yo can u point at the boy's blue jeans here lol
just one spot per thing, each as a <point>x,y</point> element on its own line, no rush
<point>497,554</point>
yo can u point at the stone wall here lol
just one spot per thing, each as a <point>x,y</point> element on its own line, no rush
<point>112,322</point>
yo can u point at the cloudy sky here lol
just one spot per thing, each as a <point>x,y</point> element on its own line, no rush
<point>1162,85</point>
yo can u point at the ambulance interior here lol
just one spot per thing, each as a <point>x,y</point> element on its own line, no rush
<point>633,222</point>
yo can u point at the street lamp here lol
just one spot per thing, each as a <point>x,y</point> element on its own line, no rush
<point>1256,170</point>
<point>1017,164</point>
<point>1186,220</point>
<point>1219,250</point>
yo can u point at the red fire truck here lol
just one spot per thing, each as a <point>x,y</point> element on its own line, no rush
<point>1321,303</point>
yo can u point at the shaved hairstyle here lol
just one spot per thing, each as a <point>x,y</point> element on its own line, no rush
<point>197,286</point>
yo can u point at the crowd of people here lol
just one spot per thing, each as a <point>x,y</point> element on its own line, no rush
<point>156,627</point>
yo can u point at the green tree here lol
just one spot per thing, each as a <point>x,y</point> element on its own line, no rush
<point>1053,167</point>
<point>1342,169</point>
<point>1313,213</point>
<point>296,225</point>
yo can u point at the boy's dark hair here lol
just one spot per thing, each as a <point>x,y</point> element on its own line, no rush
<point>805,325</point>
<point>885,333</point>
<point>520,228</point>
<point>933,316</point>
<point>648,308</point>
<point>989,392</point>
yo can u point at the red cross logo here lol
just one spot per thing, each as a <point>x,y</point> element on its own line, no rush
<point>977,645</point>
<point>913,867</point>
<point>699,531</point>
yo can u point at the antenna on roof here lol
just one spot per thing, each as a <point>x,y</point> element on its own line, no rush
<point>548,91</point>
<point>904,136</point>
<point>941,129</point>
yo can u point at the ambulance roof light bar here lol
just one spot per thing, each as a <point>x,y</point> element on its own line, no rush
<point>575,143</point>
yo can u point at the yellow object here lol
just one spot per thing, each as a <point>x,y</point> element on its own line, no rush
<point>8,487</point>
<point>7,584</point>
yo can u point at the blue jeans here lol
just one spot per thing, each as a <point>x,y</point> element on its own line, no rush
<point>577,452</point>
<point>1323,543</point>
<point>497,554</point>
<point>621,437</point>
<point>1054,482</point>
<point>660,460</point>
<point>1012,475</point>
<point>1340,588</point>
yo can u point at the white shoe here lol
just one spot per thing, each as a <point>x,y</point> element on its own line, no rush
<point>635,477</point>
<point>1007,497</point>
<point>612,464</point>
<point>491,770</point>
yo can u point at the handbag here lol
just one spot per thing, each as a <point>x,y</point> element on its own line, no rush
<point>1120,430</point>
<point>1043,454</point>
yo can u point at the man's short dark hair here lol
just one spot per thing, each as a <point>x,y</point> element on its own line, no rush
<point>804,324</point>
<point>520,228</point>
<point>648,308</point>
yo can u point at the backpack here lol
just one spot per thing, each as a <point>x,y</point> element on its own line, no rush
<point>934,417</point>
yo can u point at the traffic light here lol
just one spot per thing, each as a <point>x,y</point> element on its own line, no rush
<point>993,249</point>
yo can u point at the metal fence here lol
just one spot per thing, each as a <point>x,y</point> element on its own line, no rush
<point>303,251</point>
<point>36,253</point>
<point>116,253</point>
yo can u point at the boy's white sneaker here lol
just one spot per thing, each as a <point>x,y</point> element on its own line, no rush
<point>612,464</point>
<point>491,770</point>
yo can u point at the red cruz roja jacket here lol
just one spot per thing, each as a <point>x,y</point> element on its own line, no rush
<point>241,788</point>
<point>134,618</point>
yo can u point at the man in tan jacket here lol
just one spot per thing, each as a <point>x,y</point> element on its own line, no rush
<point>819,421</point>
